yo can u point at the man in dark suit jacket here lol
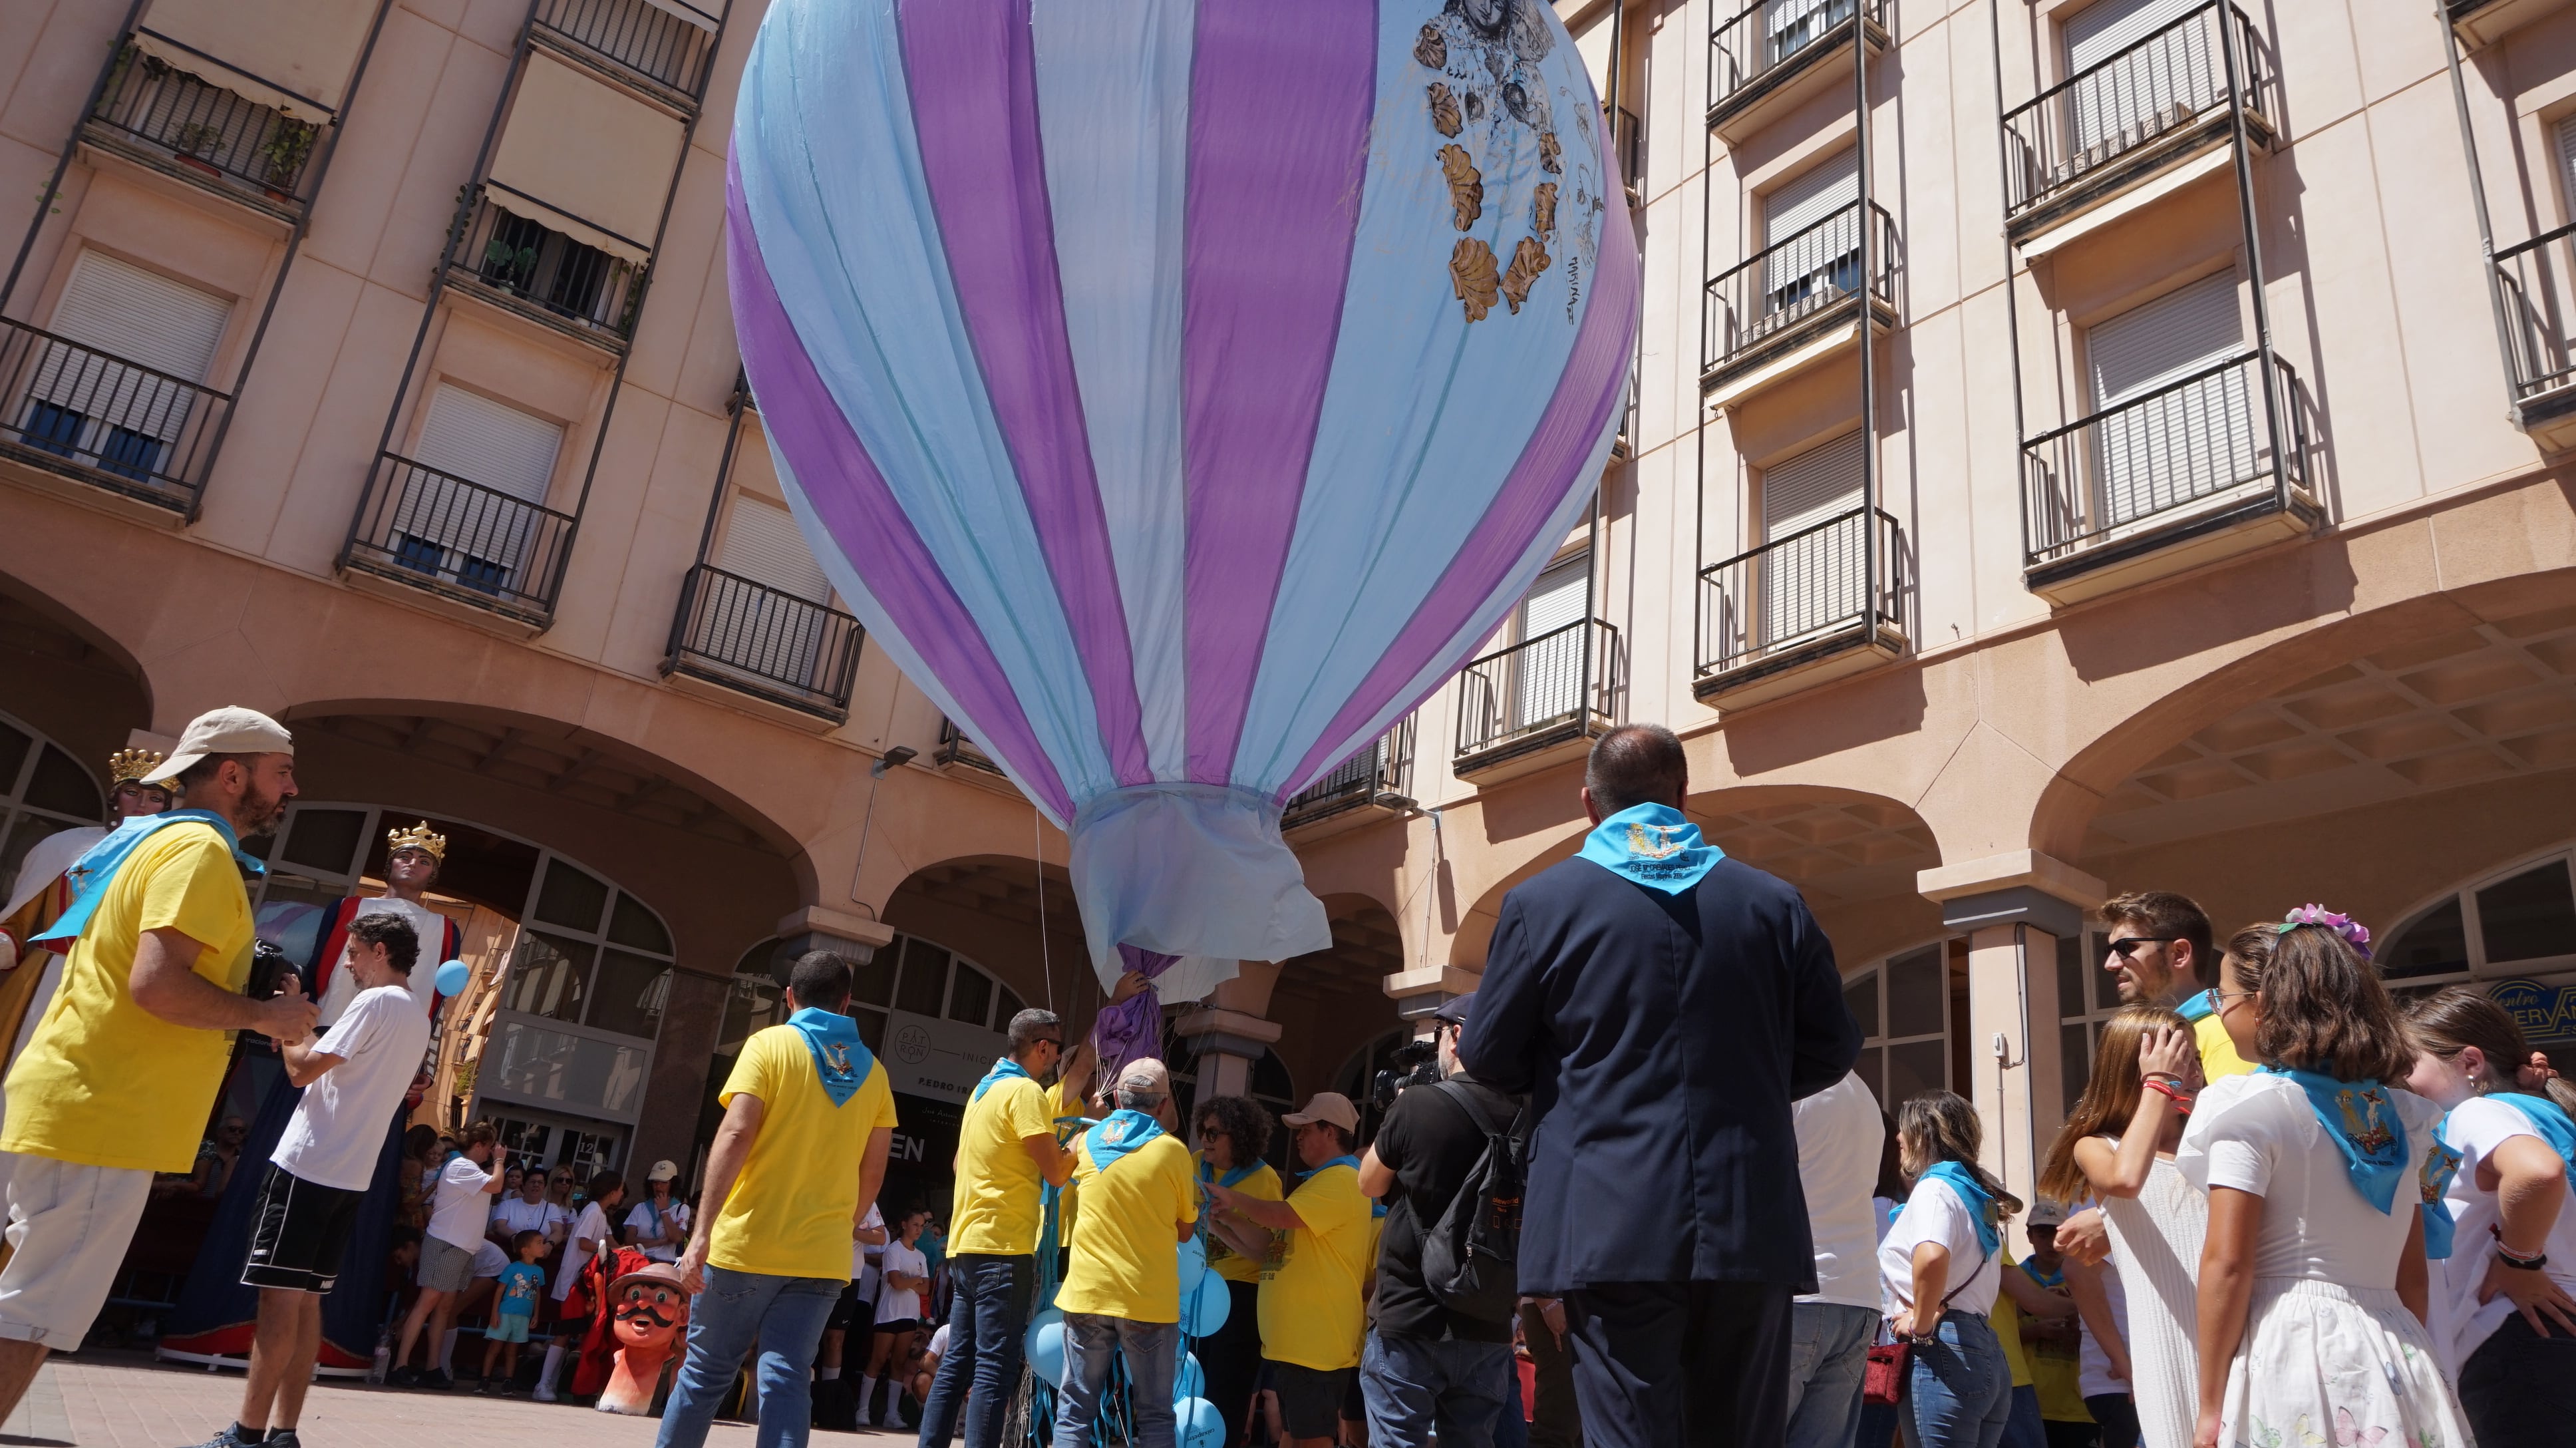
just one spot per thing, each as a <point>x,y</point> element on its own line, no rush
<point>1662,1005</point>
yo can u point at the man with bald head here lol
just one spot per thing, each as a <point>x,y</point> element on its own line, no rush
<point>1140,1200</point>
<point>1662,1005</point>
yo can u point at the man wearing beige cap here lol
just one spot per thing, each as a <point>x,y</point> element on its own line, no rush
<point>118,1080</point>
<point>1312,1317</point>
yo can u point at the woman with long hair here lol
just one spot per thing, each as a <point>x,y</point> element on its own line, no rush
<point>2313,1285</point>
<point>1938,1271</point>
<point>2503,1317</point>
<point>2117,1149</point>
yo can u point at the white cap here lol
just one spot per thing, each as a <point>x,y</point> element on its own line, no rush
<point>229,730</point>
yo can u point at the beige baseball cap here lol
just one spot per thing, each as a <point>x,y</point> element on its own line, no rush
<point>229,730</point>
<point>662,1171</point>
<point>1330,1106</point>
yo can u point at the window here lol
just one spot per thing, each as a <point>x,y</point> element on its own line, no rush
<point>905,974</point>
<point>43,791</point>
<point>1903,1007</point>
<point>1811,241</point>
<point>2520,922</point>
<point>2087,995</point>
<point>472,515</point>
<point>2172,434</point>
<point>1811,579</point>
<point>1548,676</point>
<point>122,403</point>
<point>2168,76</point>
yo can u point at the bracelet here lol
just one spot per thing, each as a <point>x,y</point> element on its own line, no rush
<point>2510,1257</point>
<point>2180,1099</point>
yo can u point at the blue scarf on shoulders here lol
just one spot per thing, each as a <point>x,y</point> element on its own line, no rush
<point>97,868</point>
<point>2363,1124</point>
<point>1119,1133</point>
<point>1003,1070</point>
<point>1973,1195</point>
<point>2549,1122</point>
<point>841,1059</point>
<point>2201,1005</point>
<point>1345,1159</point>
<point>1654,845</point>
<point>1208,1173</point>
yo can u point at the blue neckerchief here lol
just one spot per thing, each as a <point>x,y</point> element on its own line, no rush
<point>841,1059</point>
<point>2200,1007</point>
<point>1654,845</point>
<point>96,869</point>
<point>1119,1133</point>
<point>2052,1280</point>
<point>2441,1164</point>
<point>1973,1195</point>
<point>1343,1160</point>
<point>1208,1173</point>
<point>2362,1123</point>
<point>1003,1070</point>
<point>2549,1122</point>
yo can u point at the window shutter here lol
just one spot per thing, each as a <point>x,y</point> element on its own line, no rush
<point>1820,483</point>
<point>2125,104</point>
<point>1810,197</point>
<point>472,437</point>
<point>1790,26</point>
<point>1811,580</point>
<point>2566,131</point>
<point>762,543</point>
<point>141,317</point>
<point>1547,679</point>
<point>2105,28</point>
<point>1811,268</point>
<point>473,534</point>
<point>2173,445</point>
<point>1557,598</point>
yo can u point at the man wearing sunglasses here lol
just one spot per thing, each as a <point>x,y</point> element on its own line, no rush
<point>2159,950</point>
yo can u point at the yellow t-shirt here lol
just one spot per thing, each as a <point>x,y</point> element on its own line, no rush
<point>1233,1266</point>
<point>2049,1368</point>
<point>105,1082</point>
<point>2218,1056</point>
<point>996,1208</point>
<point>2006,1320</point>
<point>1310,1308</point>
<point>792,1208</point>
<point>1126,1244</point>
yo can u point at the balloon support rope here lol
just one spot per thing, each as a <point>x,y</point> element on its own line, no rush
<point>1037,853</point>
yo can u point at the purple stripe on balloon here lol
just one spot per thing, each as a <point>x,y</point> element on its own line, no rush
<point>974,107</point>
<point>842,484</point>
<point>1280,105</point>
<point>1560,447</point>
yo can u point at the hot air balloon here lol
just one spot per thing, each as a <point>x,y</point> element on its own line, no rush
<point>1179,390</point>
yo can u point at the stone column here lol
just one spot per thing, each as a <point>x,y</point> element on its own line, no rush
<point>676,1089</point>
<point>2014,908</point>
<point>820,927</point>
<point>1228,1032</point>
<point>1417,993</point>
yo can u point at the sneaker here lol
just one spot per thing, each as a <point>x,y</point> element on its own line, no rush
<point>231,1437</point>
<point>483,1386</point>
<point>403,1377</point>
<point>439,1380</point>
<point>284,1438</point>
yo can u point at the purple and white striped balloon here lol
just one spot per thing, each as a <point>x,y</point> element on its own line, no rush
<point>1180,390</point>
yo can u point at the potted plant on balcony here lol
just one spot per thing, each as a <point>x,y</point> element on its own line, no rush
<point>288,147</point>
<point>193,137</point>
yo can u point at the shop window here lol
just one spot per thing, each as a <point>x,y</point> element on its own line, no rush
<point>924,986</point>
<point>324,839</point>
<point>631,924</point>
<point>1904,1010</point>
<point>550,976</point>
<point>2437,943</point>
<point>2516,922</point>
<point>970,998</point>
<point>2529,917</point>
<point>629,994</point>
<point>571,897</point>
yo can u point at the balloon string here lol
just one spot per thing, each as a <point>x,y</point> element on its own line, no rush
<point>1037,850</point>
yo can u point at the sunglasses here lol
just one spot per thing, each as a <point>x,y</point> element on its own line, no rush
<point>2128,945</point>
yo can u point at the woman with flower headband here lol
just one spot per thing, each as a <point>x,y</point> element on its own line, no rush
<point>2504,1295</point>
<point>2313,1286</point>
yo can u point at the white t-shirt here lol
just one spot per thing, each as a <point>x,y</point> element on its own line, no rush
<point>513,1215</point>
<point>489,1259</point>
<point>1934,1213</point>
<point>640,1221</point>
<point>462,1206</point>
<point>901,1305</point>
<point>592,1227</point>
<point>2258,1134</point>
<point>2461,1324</point>
<point>2092,1361</point>
<point>338,1129</point>
<point>1840,1137</point>
<point>427,926</point>
<point>939,1341</point>
<point>863,1255</point>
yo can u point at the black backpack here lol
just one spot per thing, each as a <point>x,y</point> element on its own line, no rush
<point>1470,1256</point>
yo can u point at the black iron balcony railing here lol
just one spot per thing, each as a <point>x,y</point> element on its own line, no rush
<point>652,42</point>
<point>86,413</point>
<point>2538,283</point>
<point>535,268</point>
<point>765,642</point>
<point>2165,457</point>
<point>1568,676</point>
<point>1818,583</point>
<point>1630,136</point>
<point>1382,770</point>
<point>2128,114</point>
<point>204,130</point>
<point>1771,39</point>
<point>460,539</point>
<point>956,748</point>
<point>1806,278</point>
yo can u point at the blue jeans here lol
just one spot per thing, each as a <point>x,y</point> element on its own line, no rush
<point>1417,1387</point>
<point>1091,1343</point>
<point>2026,1428</point>
<point>1828,1351</point>
<point>1960,1391</point>
<point>785,1316</point>
<point>988,1312</point>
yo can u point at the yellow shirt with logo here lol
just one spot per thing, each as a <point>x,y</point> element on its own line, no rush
<point>105,1082</point>
<point>1311,1313</point>
<point>1233,1266</point>
<point>792,1209</point>
<point>996,1209</point>
<point>1126,1243</point>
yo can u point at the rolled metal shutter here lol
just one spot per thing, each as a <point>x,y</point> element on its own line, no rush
<point>2174,444</point>
<point>1811,579</point>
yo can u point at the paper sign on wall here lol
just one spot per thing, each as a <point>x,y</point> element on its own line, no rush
<point>927,1056</point>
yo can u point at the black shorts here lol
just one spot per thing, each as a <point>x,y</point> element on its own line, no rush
<point>1310,1400</point>
<point>849,1310</point>
<point>900,1324</point>
<point>300,1232</point>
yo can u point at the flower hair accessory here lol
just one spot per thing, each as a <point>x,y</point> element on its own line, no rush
<point>2354,933</point>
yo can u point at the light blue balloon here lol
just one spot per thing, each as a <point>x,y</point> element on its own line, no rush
<point>1197,1424</point>
<point>1190,1382</point>
<point>1045,1348</point>
<point>452,977</point>
<point>1208,1306</point>
<point>1193,1265</point>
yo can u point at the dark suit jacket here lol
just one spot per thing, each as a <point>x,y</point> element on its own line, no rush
<point>1660,1039</point>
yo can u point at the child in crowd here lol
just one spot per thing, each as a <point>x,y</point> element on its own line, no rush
<point>522,1283</point>
<point>906,1274</point>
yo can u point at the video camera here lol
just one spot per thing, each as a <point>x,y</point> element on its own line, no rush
<point>1415,1063</point>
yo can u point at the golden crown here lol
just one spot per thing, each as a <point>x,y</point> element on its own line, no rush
<point>129,766</point>
<point>418,837</point>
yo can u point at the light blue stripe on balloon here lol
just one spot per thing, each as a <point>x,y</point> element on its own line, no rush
<point>1425,413</point>
<point>1113,105</point>
<point>832,176</point>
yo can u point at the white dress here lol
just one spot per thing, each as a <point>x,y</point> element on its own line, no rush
<point>2330,1355</point>
<point>2155,1240</point>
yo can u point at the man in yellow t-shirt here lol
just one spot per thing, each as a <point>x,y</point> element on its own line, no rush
<point>1312,1317</point>
<point>1122,1294</point>
<point>796,1164</point>
<point>123,1069</point>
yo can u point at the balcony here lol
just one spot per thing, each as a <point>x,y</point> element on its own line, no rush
<point>1795,612</point>
<point>2137,125</point>
<point>524,267</point>
<point>2483,22</point>
<point>646,46</point>
<point>2536,282</point>
<point>70,413</point>
<point>473,551</point>
<point>1372,784</point>
<point>759,641</point>
<point>956,751</point>
<point>1775,55</point>
<point>1539,702</point>
<point>1796,303</point>
<point>1629,134</point>
<point>2200,469</point>
<point>154,115</point>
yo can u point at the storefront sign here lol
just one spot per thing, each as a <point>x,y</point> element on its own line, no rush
<point>2545,1011</point>
<point>926,1056</point>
